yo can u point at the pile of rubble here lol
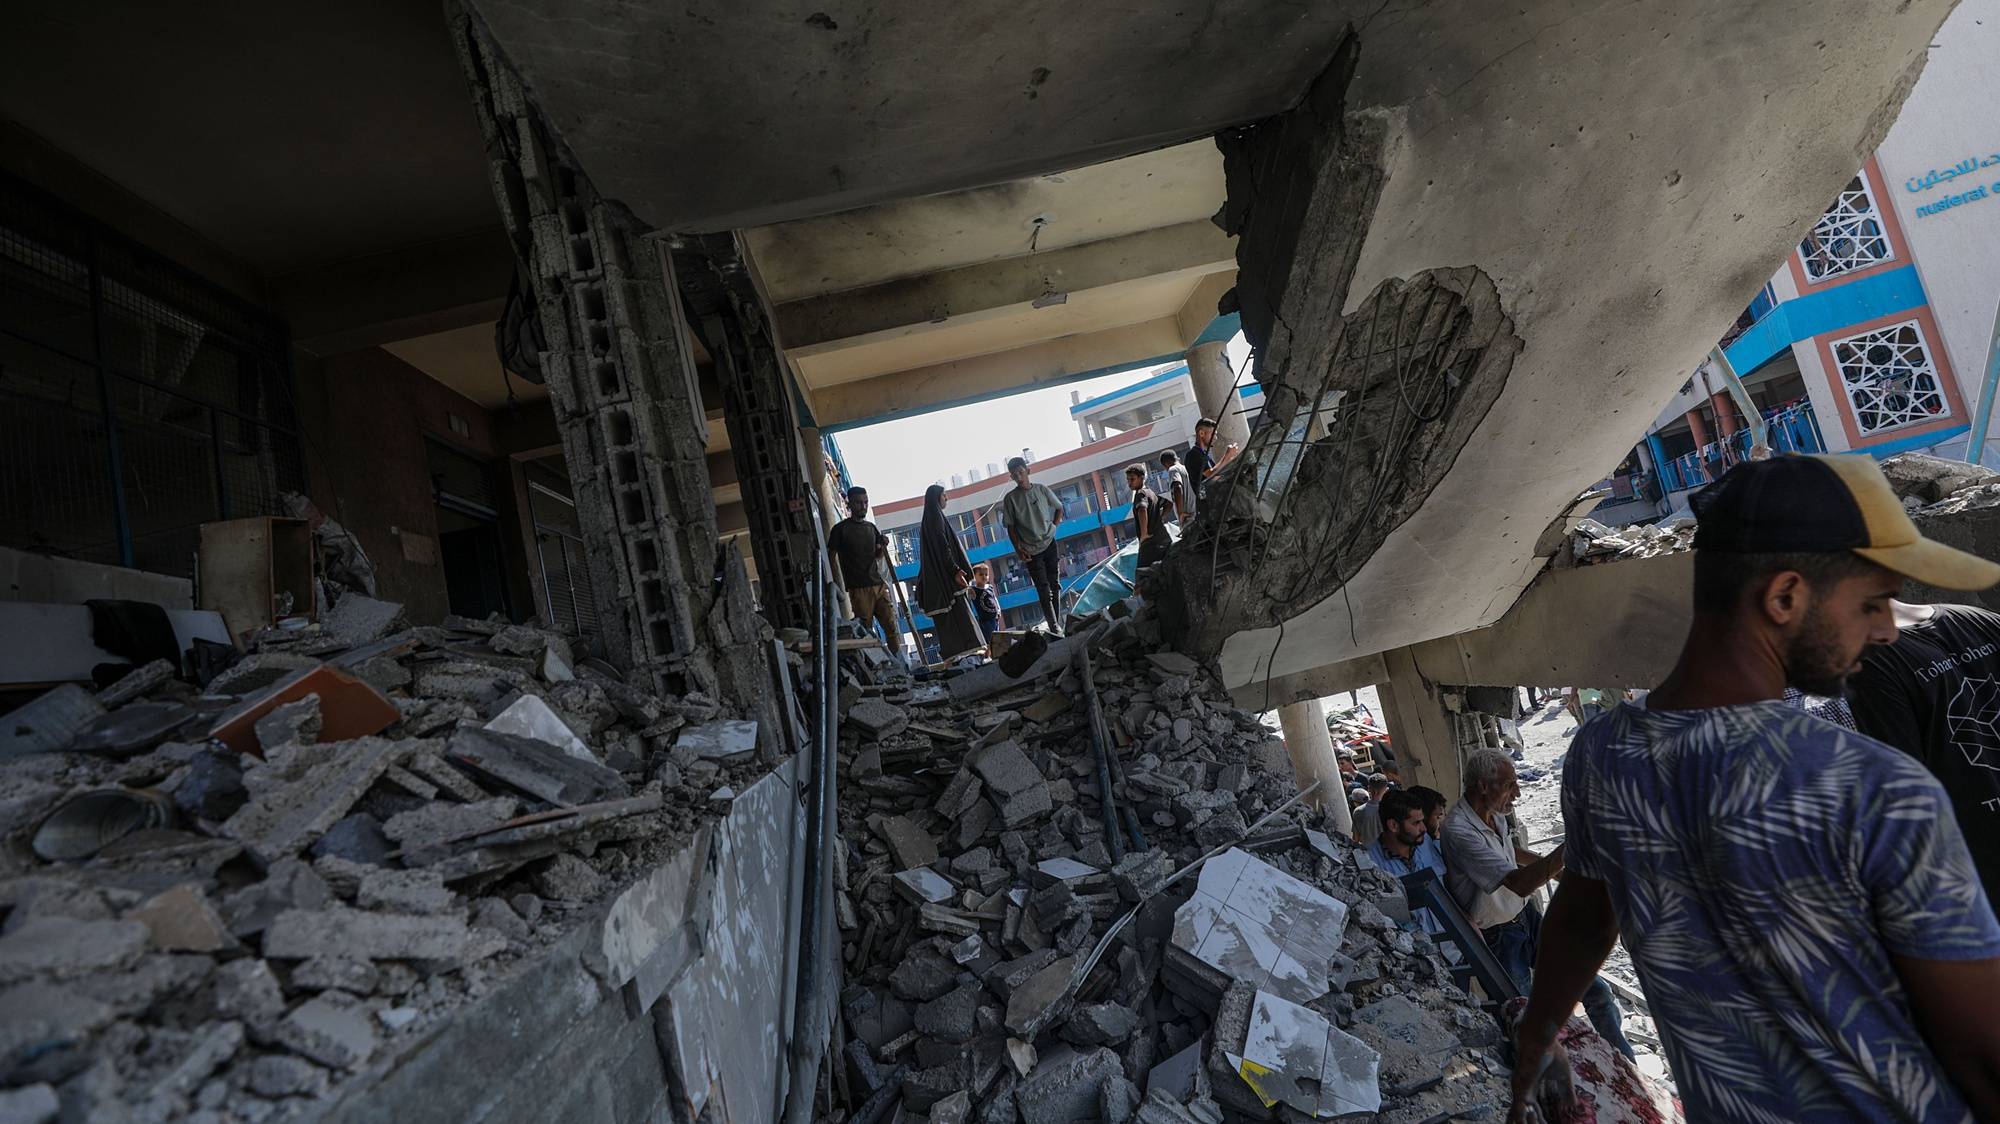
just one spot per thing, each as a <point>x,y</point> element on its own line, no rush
<point>1027,937</point>
<point>1593,542</point>
<point>218,901</point>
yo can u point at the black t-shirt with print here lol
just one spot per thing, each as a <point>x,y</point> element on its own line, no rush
<point>1149,501</point>
<point>853,542</point>
<point>1935,695</point>
<point>1198,461</point>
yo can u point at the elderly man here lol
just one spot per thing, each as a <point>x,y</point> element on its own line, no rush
<point>1803,913</point>
<point>1490,876</point>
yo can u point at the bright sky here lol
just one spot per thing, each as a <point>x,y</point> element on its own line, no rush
<point>898,459</point>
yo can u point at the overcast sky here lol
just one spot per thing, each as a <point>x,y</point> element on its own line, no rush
<point>898,459</point>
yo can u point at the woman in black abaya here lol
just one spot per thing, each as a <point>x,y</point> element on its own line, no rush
<point>942,575</point>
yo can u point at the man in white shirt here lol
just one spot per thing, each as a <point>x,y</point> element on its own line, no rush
<point>1490,876</point>
<point>1180,490</point>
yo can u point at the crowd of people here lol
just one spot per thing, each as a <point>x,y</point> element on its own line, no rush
<point>958,596</point>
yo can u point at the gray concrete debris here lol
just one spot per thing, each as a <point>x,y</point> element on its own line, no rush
<point>405,891</point>
<point>213,1046</point>
<point>259,670</point>
<point>1172,663</point>
<point>567,878</point>
<point>183,920</point>
<point>283,822</point>
<point>1100,1024</point>
<point>877,719</point>
<point>35,1104</point>
<point>289,724</point>
<point>288,884</point>
<point>282,1075</point>
<point>1038,1001</point>
<point>331,1029</point>
<point>437,822</point>
<point>49,722</point>
<point>953,1016</point>
<point>1017,788</point>
<point>359,619</point>
<point>535,768</point>
<point>135,684</point>
<point>336,973</point>
<point>248,990</point>
<point>530,717</point>
<point>494,914</point>
<point>727,741</point>
<point>955,1109</point>
<point>1067,1086</point>
<point>302,934</point>
<point>212,788</point>
<point>58,947</point>
<point>357,838</point>
<point>912,845</point>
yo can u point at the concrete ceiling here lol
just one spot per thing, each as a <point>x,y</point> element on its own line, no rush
<point>289,135</point>
<point>465,360</point>
<point>826,107</point>
<point>909,237</point>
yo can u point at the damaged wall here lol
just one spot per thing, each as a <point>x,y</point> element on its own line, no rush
<point>368,415</point>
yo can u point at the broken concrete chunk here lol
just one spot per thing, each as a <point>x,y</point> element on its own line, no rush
<point>130,686</point>
<point>183,920</point>
<point>283,822</point>
<point>1064,870</point>
<point>1172,663</point>
<point>530,717</point>
<point>1038,1001</point>
<point>405,891</point>
<point>212,788</point>
<point>58,947</point>
<point>336,973</point>
<point>248,990</point>
<point>1048,706</point>
<point>494,914</point>
<point>294,723</point>
<point>1100,1024</point>
<point>50,722</point>
<point>1067,1085</point>
<point>384,673</point>
<point>330,1029</point>
<point>449,778</point>
<point>953,1016</point>
<point>281,1075</point>
<point>567,878</point>
<point>213,1046</point>
<point>923,976</point>
<point>357,838</point>
<point>912,845</point>
<point>396,1018</point>
<point>360,619</point>
<point>878,719</point>
<point>34,1104</point>
<point>535,768</point>
<point>728,741</point>
<point>436,823</point>
<point>1021,1055</point>
<point>289,884</point>
<point>1013,783</point>
<point>302,934</point>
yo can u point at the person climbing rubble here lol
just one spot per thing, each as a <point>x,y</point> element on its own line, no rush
<point>1803,913</point>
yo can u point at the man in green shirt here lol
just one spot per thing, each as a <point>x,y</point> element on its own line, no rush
<point>1030,513</point>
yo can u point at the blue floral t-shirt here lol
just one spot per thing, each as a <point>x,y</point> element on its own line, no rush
<point>1765,865</point>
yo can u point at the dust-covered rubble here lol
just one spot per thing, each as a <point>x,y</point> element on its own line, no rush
<point>224,911</point>
<point>1018,948</point>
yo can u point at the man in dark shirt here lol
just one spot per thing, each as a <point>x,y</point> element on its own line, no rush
<point>1202,462</point>
<point>1935,695</point>
<point>1149,517</point>
<point>858,548</point>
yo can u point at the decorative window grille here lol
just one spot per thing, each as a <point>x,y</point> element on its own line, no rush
<point>1889,377</point>
<point>1849,236</point>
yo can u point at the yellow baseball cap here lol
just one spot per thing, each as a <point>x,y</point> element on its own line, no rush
<point>1795,504</point>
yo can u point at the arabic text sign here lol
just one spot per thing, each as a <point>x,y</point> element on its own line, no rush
<point>1936,176</point>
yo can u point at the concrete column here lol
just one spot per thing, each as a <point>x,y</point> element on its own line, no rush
<point>1698,428</point>
<point>1725,412</point>
<point>1215,392</point>
<point>1311,750</point>
<point>1421,732</point>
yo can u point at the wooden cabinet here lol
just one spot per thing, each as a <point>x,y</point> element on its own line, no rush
<point>255,570</point>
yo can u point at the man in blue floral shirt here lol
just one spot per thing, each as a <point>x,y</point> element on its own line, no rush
<point>1802,912</point>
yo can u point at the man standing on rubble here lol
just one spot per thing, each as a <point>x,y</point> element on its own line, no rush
<point>858,549</point>
<point>1935,695</point>
<point>1149,518</point>
<point>1490,876</point>
<point>1797,899</point>
<point>1202,462</point>
<point>1180,490</point>
<point>1030,513</point>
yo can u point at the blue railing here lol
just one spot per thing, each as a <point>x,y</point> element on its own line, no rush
<point>1791,428</point>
